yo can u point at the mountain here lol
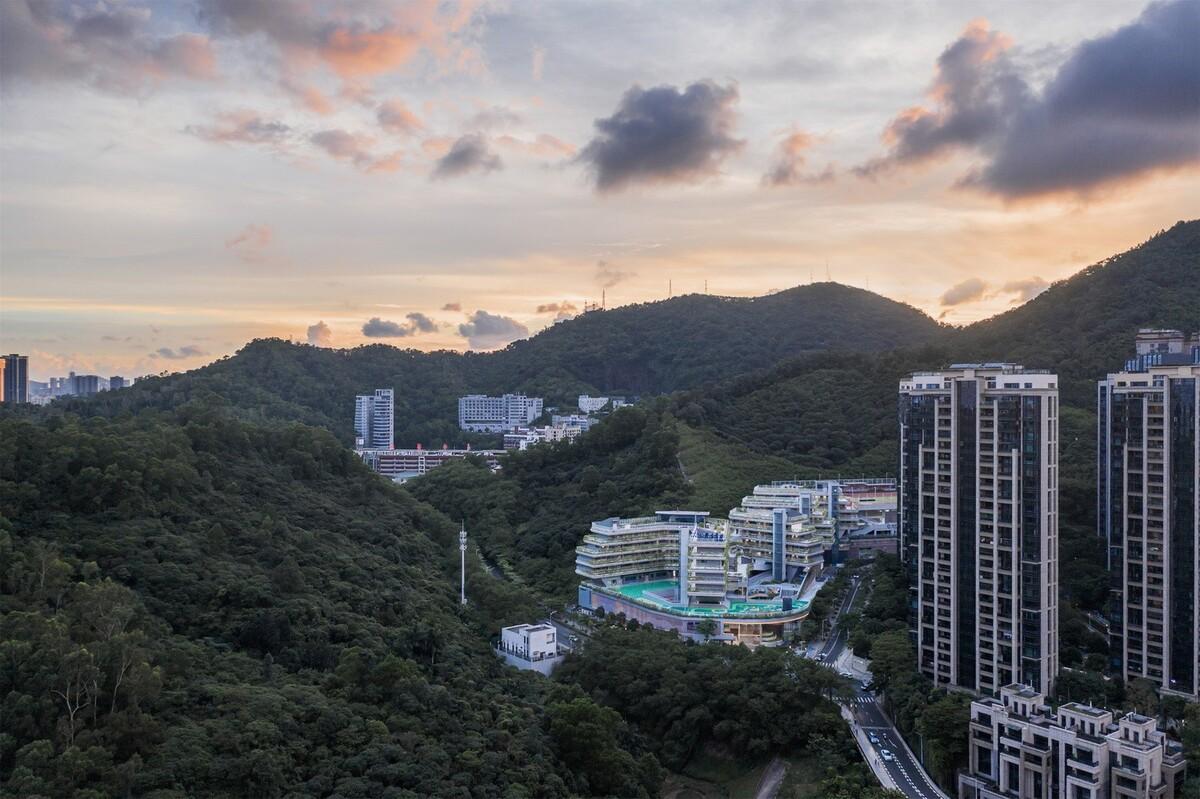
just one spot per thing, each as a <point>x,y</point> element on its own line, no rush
<point>642,349</point>
<point>1083,326</point>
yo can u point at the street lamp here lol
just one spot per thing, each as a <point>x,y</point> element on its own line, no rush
<point>462,553</point>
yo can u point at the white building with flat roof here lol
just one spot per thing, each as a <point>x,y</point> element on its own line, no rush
<point>1021,748</point>
<point>532,647</point>
<point>479,413</point>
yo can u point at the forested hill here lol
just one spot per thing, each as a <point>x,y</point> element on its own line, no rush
<point>643,349</point>
<point>192,605</point>
<point>1083,326</point>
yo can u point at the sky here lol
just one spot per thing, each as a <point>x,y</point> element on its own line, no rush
<point>177,178</point>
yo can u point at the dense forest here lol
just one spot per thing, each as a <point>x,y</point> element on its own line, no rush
<point>194,605</point>
<point>204,593</point>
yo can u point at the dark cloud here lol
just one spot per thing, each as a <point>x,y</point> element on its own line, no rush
<point>103,45</point>
<point>1025,289</point>
<point>608,275</point>
<point>788,167</point>
<point>356,149</point>
<point>470,153</point>
<point>243,127</point>
<point>969,290</point>
<point>486,331</point>
<point>498,116</point>
<point>319,335</point>
<point>1121,106</point>
<point>422,323</point>
<point>664,135</point>
<point>396,117</point>
<point>452,306</point>
<point>186,351</point>
<point>382,328</point>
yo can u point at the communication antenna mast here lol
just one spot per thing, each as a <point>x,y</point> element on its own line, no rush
<point>603,297</point>
<point>462,553</point>
<point>670,289</point>
<point>705,286</point>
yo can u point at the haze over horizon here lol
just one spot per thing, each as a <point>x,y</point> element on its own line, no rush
<point>182,178</point>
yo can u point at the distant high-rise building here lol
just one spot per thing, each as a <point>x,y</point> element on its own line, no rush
<point>482,414</point>
<point>978,517</point>
<point>16,379</point>
<point>1148,452</point>
<point>116,383</point>
<point>374,415</point>
<point>84,385</point>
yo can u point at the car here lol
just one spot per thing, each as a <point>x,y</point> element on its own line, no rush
<point>846,674</point>
<point>820,656</point>
<point>887,755</point>
<point>873,738</point>
<point>866,685</point>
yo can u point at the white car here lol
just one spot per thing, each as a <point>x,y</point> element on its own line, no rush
<point>887,755</point>
<point>873,738</point>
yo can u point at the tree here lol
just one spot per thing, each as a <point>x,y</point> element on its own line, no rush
<point>707,628</point>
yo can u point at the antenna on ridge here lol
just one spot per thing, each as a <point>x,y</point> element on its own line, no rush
<point>670,289</point>
<point>603,297</point>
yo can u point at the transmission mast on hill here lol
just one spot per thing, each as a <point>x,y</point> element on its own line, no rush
<point>462,552</point>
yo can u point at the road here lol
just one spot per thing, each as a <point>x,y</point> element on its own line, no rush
<point>904,770</point>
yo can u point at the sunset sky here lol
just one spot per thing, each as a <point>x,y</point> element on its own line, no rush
<point>177,178</point>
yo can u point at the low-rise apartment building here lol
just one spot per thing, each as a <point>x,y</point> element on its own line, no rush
<point>401,465</point>
<point>1023,749</point>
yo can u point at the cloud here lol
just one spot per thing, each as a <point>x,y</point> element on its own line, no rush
<point>452,306</point>
<point>356,42</point>
<point>663,135</point>
<point>251,243</point>
<point>557,307</point>
<point>608,275</point>
<point>486,331</point>
<point>544,146</point>
<point>422,323</point>
<point>242,126</point>
<point>107,46</point>
<point>382,328</point>
<point>497,116</point>
<point>319,335</point>
<point>788,167</point>
<point>1120,107</point>
<point>355,148</point>
<point>969,290</point>
<point>395,117</point>
<point>1025,289</point>
<point>468,154</point>
<point>186,351</point>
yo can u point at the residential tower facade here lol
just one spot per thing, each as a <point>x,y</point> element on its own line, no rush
<point>374,417</point>
<point>978,522</point>
<point>1148,452</point>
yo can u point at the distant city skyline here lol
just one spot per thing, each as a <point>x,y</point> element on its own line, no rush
<point>182,178</point>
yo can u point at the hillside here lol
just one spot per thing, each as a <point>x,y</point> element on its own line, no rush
<point>641,349</point>
<point>197,606</point>
<point>1083,326</point>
